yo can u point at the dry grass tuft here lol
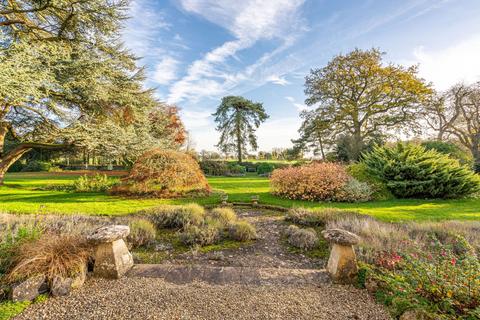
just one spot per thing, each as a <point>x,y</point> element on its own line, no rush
<point>51,255</point>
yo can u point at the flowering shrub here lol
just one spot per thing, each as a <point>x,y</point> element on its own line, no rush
<point>164,173</point>
<point>444,284</point>
<point>313,182</point>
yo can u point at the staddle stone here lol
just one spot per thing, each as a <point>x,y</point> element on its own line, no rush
<point>342,263</point>
<point>112,258</point>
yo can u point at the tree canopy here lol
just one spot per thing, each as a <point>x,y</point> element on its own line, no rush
<point>66,80</point>
<point>455,113</point>
<point>237,119</point>
<point>356,94</point>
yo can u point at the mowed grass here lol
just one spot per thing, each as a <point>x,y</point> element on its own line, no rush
<point>21,194</point>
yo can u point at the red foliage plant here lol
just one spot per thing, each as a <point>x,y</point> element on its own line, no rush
<point>313,182</point>
<point>165,173</point>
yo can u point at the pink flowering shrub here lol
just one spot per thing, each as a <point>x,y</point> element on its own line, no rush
<point>313,182</point>
<point>438,279</point>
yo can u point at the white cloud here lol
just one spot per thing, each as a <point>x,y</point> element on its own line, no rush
<point>142,29</point>
<point>280,80</point>
<point>248,21</point>
<point>300,106</point>
<point>166,70</point>
<point>453,64</point>
<point>276,133</point>
<point>196,119</point>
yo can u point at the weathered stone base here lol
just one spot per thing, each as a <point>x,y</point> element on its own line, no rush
<point>342,264</point>
<point>112,260</point>
<point>29,289</point>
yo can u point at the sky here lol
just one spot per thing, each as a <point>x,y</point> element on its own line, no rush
<point>197,51</point>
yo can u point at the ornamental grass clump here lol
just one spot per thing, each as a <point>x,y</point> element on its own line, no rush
<point>51,255</point>
<point>305,239</point>
<point>411,171</point>
<point>177,216</point>
<point>317,218</point>
<point>224,215</point>
<point>242,231</point>
<point>164,173</point>
<point>142,233</point>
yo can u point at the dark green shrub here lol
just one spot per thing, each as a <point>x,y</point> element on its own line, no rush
<point>214,168</point>
<point>36,166</point>
<point>265,168</point>
<point>359,171</point>
<point>236,169</point>
<point>410,171</point>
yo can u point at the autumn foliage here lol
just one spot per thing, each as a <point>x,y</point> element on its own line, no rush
<point>164,173</point>
<point>313,182</point>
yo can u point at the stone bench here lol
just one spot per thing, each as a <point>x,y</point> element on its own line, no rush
<point>112,258</point>
<point>342,263</point>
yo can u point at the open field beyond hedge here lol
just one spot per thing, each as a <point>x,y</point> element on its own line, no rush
<point>23,193</point>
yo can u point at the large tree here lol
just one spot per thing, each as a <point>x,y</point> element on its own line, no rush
<point>237,119</point>
<point>455,113</point>
<point>65,75</point>
<point>357,95</point>
<point>315,134</point>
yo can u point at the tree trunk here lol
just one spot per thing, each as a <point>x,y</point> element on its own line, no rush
<point>9,159</point>
<point>239,137</point>
<point>321,148</point>
<point>476,158</point>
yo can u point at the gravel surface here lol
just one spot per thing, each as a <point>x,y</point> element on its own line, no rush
<point>149,298</point>
<point>266,252</point>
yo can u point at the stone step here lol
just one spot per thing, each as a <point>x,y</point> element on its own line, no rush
<point>183,274</point>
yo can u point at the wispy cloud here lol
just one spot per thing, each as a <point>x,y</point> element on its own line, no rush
<point>142,29</point>
<point>280,80</point>
<point>166,70</point>
<point>299,106</point>
<point>248,21</point>
<point>458,62</point>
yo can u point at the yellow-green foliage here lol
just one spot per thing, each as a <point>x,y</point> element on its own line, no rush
<point>317,218</point>
<point>242,231</point>
<point>177,216</point>
<point>204,235</point>
<point>224,215</point>
<point>142,232</point>
<point>359,172</point>
<point>305,239</point>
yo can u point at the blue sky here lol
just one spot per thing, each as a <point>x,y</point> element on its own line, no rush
<point>197,51</point>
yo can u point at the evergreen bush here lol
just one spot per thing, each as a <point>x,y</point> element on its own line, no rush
<point>411,171</point>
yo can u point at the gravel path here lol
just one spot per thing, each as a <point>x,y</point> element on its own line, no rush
<point>266,252</point>
<point>148,298</point>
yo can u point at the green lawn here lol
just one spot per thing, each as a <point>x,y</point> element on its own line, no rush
<point>20,194</point>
